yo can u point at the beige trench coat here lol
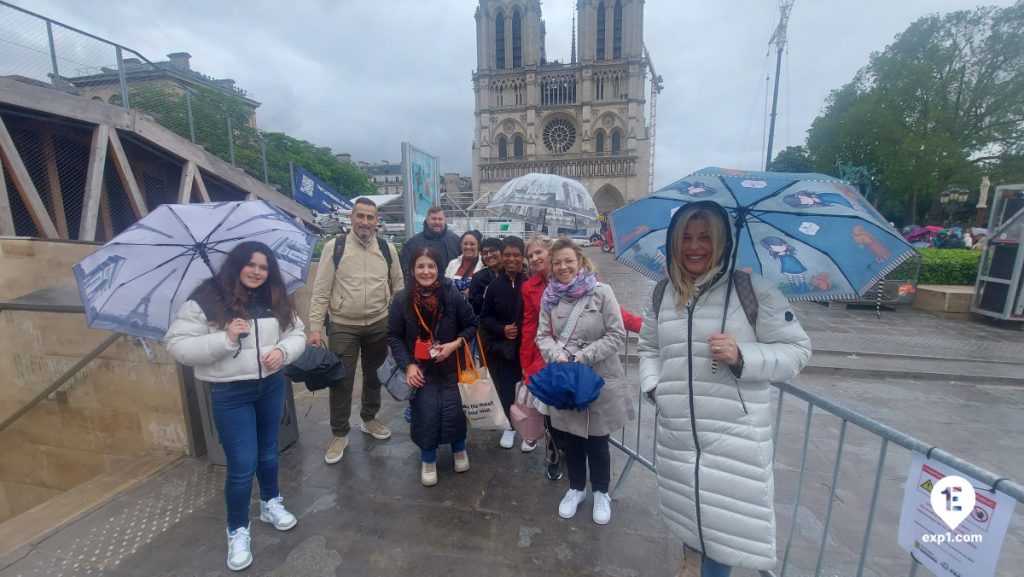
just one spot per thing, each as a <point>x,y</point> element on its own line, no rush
<point>595,341</point>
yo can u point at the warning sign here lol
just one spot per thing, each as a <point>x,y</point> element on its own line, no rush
<point>927,486</point>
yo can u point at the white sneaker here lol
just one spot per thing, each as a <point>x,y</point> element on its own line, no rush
<point>273,511</point>
<point>572,500</point>
<point>602,508</point>
<point>239,553</point>
<point>428,474</point>
<point>528,446</point>
<point>508,438</point>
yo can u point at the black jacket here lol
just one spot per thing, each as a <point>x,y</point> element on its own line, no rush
<point>447,244</point>
<point>478,286</point>
<point>437,416</point>
<point>457,320</point>
<point>503,305</point>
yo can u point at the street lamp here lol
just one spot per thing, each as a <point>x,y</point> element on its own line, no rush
<point>952,198</point>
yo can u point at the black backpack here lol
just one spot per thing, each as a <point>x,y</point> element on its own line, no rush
<point>339,251</point>
<point>744,289</point>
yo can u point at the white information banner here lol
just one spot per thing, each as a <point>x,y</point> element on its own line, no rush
<point>952,538</point>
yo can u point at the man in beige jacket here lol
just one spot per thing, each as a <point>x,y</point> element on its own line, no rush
<point>357,293</point>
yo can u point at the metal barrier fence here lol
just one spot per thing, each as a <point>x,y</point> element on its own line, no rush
<point>826,526</point>
<point>211,112</point>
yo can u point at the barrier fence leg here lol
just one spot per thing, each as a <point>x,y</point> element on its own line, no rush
<point>874,503</point>
<point>799,488</point>
<point>831,498</point>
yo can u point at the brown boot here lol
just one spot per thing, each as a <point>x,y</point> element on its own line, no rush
<point>691,563</point>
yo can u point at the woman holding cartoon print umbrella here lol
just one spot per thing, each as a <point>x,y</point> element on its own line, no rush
<point>709,373</point>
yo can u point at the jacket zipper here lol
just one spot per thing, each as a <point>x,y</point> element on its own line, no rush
<point>256,331</point>
<point>693,420</point>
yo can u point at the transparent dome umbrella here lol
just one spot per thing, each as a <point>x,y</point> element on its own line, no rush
<point>546,200</point>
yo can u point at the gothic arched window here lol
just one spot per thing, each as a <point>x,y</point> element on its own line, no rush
<point>616,141</point>
<point>502,147</point>
<point>517,39</point>
<point>499,41</point>
<point>517,147</point>
<point>617,45</point>
<point>599,147</point>
<point>600,31</point>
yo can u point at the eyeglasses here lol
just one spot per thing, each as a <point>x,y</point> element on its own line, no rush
<point>489,251</point>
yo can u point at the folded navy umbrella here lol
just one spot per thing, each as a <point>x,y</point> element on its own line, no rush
<point>317,367</point>
<point>566,386</point>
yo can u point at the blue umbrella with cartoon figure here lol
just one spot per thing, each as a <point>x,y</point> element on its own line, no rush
<point>814,235</point>
<point>135,283</point>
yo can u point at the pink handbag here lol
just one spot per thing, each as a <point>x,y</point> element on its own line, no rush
<point>526,419</point>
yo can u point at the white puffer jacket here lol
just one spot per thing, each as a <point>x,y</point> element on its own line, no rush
<point>714,430</point>
<point>193,342</point>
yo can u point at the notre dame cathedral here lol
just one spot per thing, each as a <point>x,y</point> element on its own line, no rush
<point>583,119</point>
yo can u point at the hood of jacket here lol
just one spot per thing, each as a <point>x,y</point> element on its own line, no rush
<point>726,261</point>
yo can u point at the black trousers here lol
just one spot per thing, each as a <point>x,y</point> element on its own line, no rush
<point>554,442</point>
<point>506,373</point>
<point>580,450</point>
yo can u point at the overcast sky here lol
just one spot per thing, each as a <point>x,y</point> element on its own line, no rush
<point>361,76</point>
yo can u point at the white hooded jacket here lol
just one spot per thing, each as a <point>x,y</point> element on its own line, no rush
<point>714,450</point>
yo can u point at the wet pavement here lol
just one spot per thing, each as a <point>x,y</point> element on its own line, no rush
<point>368,515</point>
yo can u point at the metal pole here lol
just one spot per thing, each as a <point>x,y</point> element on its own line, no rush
<point>231,141</point>
<point>53,54</point>
<point>291,176</point>
<point>263,150</point>
<point>60,380</point>
<point>120,77</point>
<point>191,121</point>
<point>775,107</point>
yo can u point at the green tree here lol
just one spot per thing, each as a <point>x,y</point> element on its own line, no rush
<point>940,106</point>
<point>792,159</point>
<point>320,160</point>
<point>210,112</point>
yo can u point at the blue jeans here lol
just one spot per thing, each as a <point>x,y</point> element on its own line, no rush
<point>247,415</point>
<point>430,455</point>
<point>711,568</point>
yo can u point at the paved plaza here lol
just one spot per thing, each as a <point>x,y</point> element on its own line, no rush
<point>368,515</point>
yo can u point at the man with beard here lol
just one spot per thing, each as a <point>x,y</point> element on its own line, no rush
<point>355,283</point>
<point>435,235</point>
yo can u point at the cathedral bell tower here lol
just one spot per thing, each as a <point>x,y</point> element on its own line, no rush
<point>583,119</point>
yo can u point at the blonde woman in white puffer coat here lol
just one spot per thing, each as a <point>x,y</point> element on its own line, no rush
<point>711,387</point>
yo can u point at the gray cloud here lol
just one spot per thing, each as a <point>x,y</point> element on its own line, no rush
<point>361,76</point>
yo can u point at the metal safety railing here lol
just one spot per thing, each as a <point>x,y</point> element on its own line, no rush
<point>858,541</point>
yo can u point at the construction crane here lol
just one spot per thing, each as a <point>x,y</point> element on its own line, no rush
<point>656,86</point>
<point>779,39</point>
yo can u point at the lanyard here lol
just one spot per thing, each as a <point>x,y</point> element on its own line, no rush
<point>430,333</point>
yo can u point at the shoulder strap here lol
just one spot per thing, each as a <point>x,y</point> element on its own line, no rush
<point>386,251</point>
<point>570,323</point>
<point>339,248</point>
<point>748,298</point>
<point>658,295</point>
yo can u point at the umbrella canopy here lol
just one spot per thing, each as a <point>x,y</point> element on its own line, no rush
<point>136,283</point>
<point>546,200</point>
<point>814,235</point>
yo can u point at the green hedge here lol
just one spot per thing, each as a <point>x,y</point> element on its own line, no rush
<point>949,266</point>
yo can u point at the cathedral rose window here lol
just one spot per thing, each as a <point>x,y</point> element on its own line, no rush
<point>559,135</point>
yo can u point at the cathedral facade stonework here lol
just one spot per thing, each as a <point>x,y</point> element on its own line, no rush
<point>583,119</point>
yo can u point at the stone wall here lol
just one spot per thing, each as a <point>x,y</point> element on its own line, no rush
<point>119,406</point>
